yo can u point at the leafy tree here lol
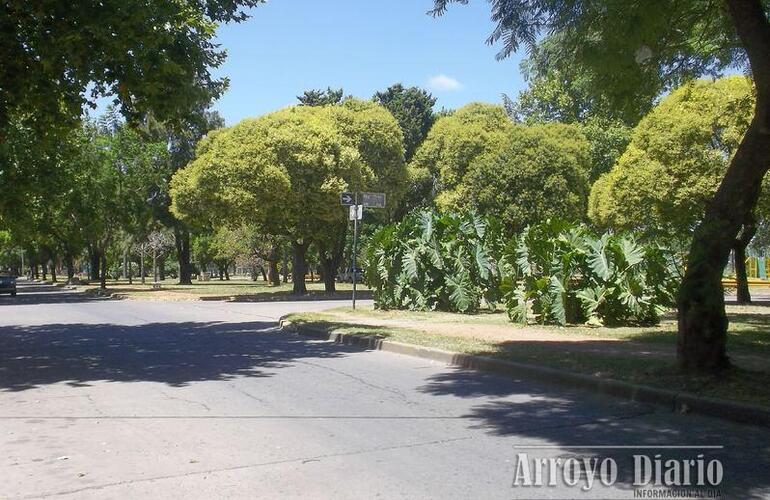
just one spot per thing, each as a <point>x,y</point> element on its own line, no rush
<point>284,172</point>
<point>673,165</point>
<point>151,55</point>
<point>630,51</point>
<point>440,163</point>
<point>538,172</point>
<point>319,97</point>
<point>413,109</point>
<point>181,136</point>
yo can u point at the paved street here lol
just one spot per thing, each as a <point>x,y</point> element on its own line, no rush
<point>130,399</point>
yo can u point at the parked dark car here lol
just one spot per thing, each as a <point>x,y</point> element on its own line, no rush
<point>346,275</point>
<point>8,284</point>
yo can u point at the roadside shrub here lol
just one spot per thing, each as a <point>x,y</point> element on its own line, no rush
<point>557,272</point>
<point>432,261</point>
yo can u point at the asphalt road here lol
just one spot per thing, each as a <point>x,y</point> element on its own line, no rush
<point>131,399</point>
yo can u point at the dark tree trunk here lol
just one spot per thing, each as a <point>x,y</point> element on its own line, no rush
<point>182,241</point>
<point>298,267</point>
<point>44,270</point>
<point>94,258</point>
<point>70,265</point>
<point>227,272</point>
<point>162,267</point>
<point>103,279</point>
<point>53,269</point>
<point>272,267</point>
<point>739,251</point>
<point>285,267</point>
<point>264,275</point>
<point>702,337</point>
<point>330,280</point>
<point>331,259</point>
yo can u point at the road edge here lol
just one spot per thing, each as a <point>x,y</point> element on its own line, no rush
<point>674,401</point>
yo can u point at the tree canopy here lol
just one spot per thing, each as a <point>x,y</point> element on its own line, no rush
<point>150,55</point>
<point>538,172</point>
<point>413,109</point>
<point>284,171</point>
<point>442,160</point>
<point>678,155</point>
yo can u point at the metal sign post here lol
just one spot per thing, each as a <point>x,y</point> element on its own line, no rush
<point>356,213</point>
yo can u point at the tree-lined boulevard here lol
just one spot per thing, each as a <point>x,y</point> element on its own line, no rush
<point>114,399</point>
<point>608,224</point>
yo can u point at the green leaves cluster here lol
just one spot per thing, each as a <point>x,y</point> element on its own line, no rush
<point>432,261</point>
<point>557,272</point>
<point>677,157</point>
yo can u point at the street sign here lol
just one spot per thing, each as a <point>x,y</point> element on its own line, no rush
<point>356,212</point>
<point>347,199</point>
<point>374,200</point>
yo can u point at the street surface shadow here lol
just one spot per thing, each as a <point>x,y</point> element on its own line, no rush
<point>527,409</point>
<point>33,294</point>
<point>171,353</point>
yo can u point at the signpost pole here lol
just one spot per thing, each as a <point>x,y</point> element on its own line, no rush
<point>355,249</point>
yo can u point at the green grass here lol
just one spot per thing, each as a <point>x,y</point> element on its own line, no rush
<point>643,355</point>
<point>234,289</point>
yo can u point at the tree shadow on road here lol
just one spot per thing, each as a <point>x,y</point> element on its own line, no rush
<point>171,353</point>
<point>527,410</point>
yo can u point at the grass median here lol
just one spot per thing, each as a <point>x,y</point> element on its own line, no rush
<point>642,355</point>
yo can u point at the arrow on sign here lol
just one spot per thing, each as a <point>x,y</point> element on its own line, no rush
<point>347,199</point>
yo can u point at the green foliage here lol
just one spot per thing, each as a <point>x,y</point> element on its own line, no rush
<point>556,272</point>
<point>441,161</point>
<point>284,171</point>
<point>432,261</point>
<point>537,172</point>
<point>624,54</point>
<point>413,109</point>
<point>677,157</point>
<point>326,97</point>
<point>150,55</point>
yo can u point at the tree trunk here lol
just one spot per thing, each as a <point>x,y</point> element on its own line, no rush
<point>739,251</point>
<point>70,264</point>
<point>126,255</point>
<point>264,275</point>
<point>162,266</point>
<point>330,280</point>
<point>298,267</point>
<point>94,259</point>
<point>182,241</point>
<point>141,264</point>
<point>227,272</point>
<point>44,269</point>
<point>272,267</point>
<point>285,267</point>
<point>53,269</point>
<point>103,279</point>
<point>702,337</point>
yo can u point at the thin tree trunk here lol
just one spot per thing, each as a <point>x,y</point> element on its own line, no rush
<point>272,265</point>
<point>702,337</point>
<point>103,262</point>
<point>53,269</point>
<point>298,267</point>
<point>44,268</point>
<point>264,275</point>
<point>70,265</point>
<point>141,264</point>
<point>743,294</point>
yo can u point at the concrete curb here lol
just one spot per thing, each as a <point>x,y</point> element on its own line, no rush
<point>681,402</point>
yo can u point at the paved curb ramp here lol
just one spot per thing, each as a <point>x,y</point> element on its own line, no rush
<point>675,401</point>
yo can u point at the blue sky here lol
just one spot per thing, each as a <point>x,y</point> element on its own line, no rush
<point>288,46</point>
